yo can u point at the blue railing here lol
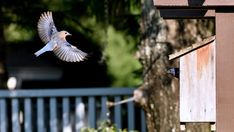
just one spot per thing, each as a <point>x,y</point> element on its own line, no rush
<point>67,109</point>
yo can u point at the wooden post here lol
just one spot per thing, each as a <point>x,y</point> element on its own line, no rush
<point>225,70</point>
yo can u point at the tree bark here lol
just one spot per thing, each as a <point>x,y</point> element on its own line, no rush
<point>160,91</point>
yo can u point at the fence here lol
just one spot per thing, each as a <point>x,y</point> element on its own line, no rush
<point>61,109</point>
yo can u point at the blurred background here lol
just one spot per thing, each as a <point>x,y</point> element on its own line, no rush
<point>107,30</point>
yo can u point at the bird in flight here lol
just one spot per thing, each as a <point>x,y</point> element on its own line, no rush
<point>56,40</point>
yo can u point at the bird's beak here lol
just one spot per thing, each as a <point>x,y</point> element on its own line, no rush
<point>69,34</point>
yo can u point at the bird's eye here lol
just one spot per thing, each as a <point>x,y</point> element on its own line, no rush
<point>65,32</point>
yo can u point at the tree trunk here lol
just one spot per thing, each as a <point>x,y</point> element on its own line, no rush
<point>160,91</point>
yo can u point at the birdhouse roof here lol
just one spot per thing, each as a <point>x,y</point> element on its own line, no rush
<point>191,48</point>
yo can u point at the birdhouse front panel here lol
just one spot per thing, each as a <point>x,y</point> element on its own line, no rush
<point>197,85</point>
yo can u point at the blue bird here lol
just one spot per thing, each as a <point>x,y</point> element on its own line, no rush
<point>56,41</point>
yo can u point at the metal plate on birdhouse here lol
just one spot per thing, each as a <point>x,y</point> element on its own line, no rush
<point>197,85</point>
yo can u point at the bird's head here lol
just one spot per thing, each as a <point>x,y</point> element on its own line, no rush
<point>63,34</point>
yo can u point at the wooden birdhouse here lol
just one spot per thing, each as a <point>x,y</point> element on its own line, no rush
<point>221,11</point>
<point>197,82</point>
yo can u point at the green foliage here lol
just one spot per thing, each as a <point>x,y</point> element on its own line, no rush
<point>135,7</point>
<point>14,33</point>
<point>106,126</point>
<point>120,58</point>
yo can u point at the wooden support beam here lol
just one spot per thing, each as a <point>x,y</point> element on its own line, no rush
<point>186,13</point>
<point>225,70</point>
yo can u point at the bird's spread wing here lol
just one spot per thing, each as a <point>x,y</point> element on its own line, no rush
<point>46,27</point>
<point>69,53</point>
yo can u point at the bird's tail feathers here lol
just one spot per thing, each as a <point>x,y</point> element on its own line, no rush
<point>47,47</point>
<point>39,52</point>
